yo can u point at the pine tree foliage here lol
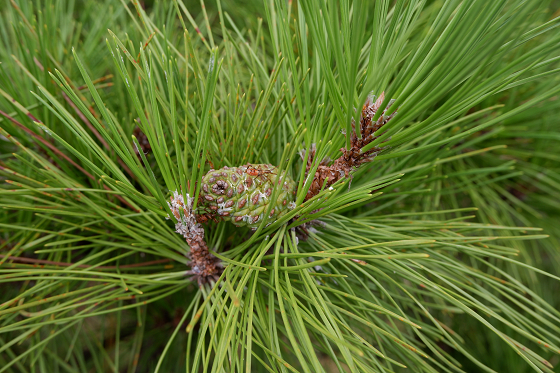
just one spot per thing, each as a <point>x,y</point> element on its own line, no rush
<point>433,256</point>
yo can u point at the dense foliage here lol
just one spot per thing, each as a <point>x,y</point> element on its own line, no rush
<point>439,255</point>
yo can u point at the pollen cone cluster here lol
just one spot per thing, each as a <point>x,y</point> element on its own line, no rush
<point>204,266</point>
<point>353,157</point>
<point>243,195</point>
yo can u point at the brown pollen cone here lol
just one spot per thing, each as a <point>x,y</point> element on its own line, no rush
<point>204,266</point>
<point>351,158</point>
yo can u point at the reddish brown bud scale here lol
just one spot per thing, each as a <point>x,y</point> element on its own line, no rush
<point>255,199</point>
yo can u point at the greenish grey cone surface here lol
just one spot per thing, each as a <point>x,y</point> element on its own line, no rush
<point>243,194</point>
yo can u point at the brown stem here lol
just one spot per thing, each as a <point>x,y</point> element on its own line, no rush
<point>58,152</point>
<point>98,80</point>
<point>62,264</point>
<point>45,142</point>
<point>96,133</point>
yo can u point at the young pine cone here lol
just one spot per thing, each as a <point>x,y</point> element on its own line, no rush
<point>243,194</point>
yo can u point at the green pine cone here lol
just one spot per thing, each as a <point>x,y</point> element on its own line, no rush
<point>242,194</point>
